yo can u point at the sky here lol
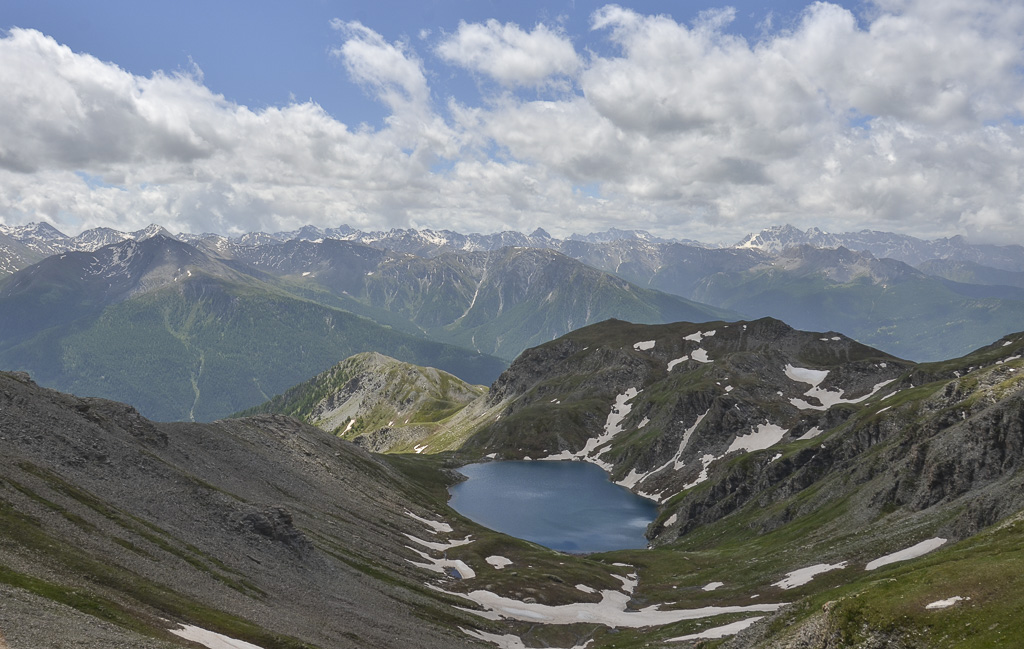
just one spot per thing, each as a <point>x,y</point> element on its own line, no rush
<point>686,118</point>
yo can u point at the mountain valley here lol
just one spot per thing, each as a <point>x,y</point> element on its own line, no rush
<point>799,477</point>
<point>813,490</point>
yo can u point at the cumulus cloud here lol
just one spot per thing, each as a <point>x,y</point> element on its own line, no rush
<point>906,118</point>
<point>390,69</point>
<point>510,55</point>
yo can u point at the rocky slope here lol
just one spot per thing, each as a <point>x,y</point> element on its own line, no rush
<point>264,529</point>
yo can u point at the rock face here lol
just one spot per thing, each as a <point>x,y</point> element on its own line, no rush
<point>263,529</point>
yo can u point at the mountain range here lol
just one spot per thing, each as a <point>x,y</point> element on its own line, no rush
<point>812,492</point>
<point>921,300</point>
<point>195,332</point>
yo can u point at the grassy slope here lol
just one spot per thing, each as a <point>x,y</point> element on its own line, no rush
<point>231,345</point>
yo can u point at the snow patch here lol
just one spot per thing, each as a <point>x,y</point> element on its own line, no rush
<point>700,355</point>
<point>677,361</point>
<point>434,525</point>
<point>805,375</point>
<point>811,434</point>
<point>671,519</point>
<point>713,586</point>
<point>766,435</point>
<point>211,639</point>
<point>719,631</point>
<point>829,398</point>
<point>946,603</point>
<point>585,588</point>
<point>644,345</point>
<point>442,565</point>
<point>612,427</point>
<point>696,337</point>
<point>914,551</point>
<point>508,641</point>
<point>498,562</point>
<point>804,575</point>
<point>420,449</point>
<point>706,461</point>
<point>440,547</point>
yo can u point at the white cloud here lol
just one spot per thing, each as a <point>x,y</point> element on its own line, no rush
<point>907,118</point>
<point>510,55</point>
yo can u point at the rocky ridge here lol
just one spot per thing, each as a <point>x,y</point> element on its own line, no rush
<point>378,402</point>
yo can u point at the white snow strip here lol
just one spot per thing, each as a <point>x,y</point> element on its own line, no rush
<point>804,575</point>
<point>508,641</point>
<point>211,639</point>
<point>585,588</point>
<point>671,519</point>
<point>715,585</point>
<point>610,611</point>
<point>700,355</point>
<point>434,525</point>
<point>1007,343</point>
<point>612,427</point>
<point>718,631</point>
<point>629,582</point>
<point>498,562</point>
<point>441,547</point>
<point>419,449</point>
<point>563,455</point>
<point>677,361</point>
<point>775,457</point>
<point>836,338</point>
<point>811,434</point>
<point>728,388</point>
<point>946,603</point>
<point>350,425</point>
<point>643,345</point>
<point>631,480</point>
<point>686,440</point>
<point>442,565</point>
<point>491,456</point>
<point>766,435</point>
<point>922,548</point>
<point>305,274</point>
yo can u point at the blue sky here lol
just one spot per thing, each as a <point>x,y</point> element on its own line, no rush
<point>691,119</point>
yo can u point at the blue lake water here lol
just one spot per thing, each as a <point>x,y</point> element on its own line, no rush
<point>567,506</point>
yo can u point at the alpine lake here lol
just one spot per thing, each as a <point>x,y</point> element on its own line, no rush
<point>567,506</point>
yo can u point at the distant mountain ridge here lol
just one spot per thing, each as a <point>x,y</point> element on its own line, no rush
<point>45,239</point>
<point>924,300</point>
